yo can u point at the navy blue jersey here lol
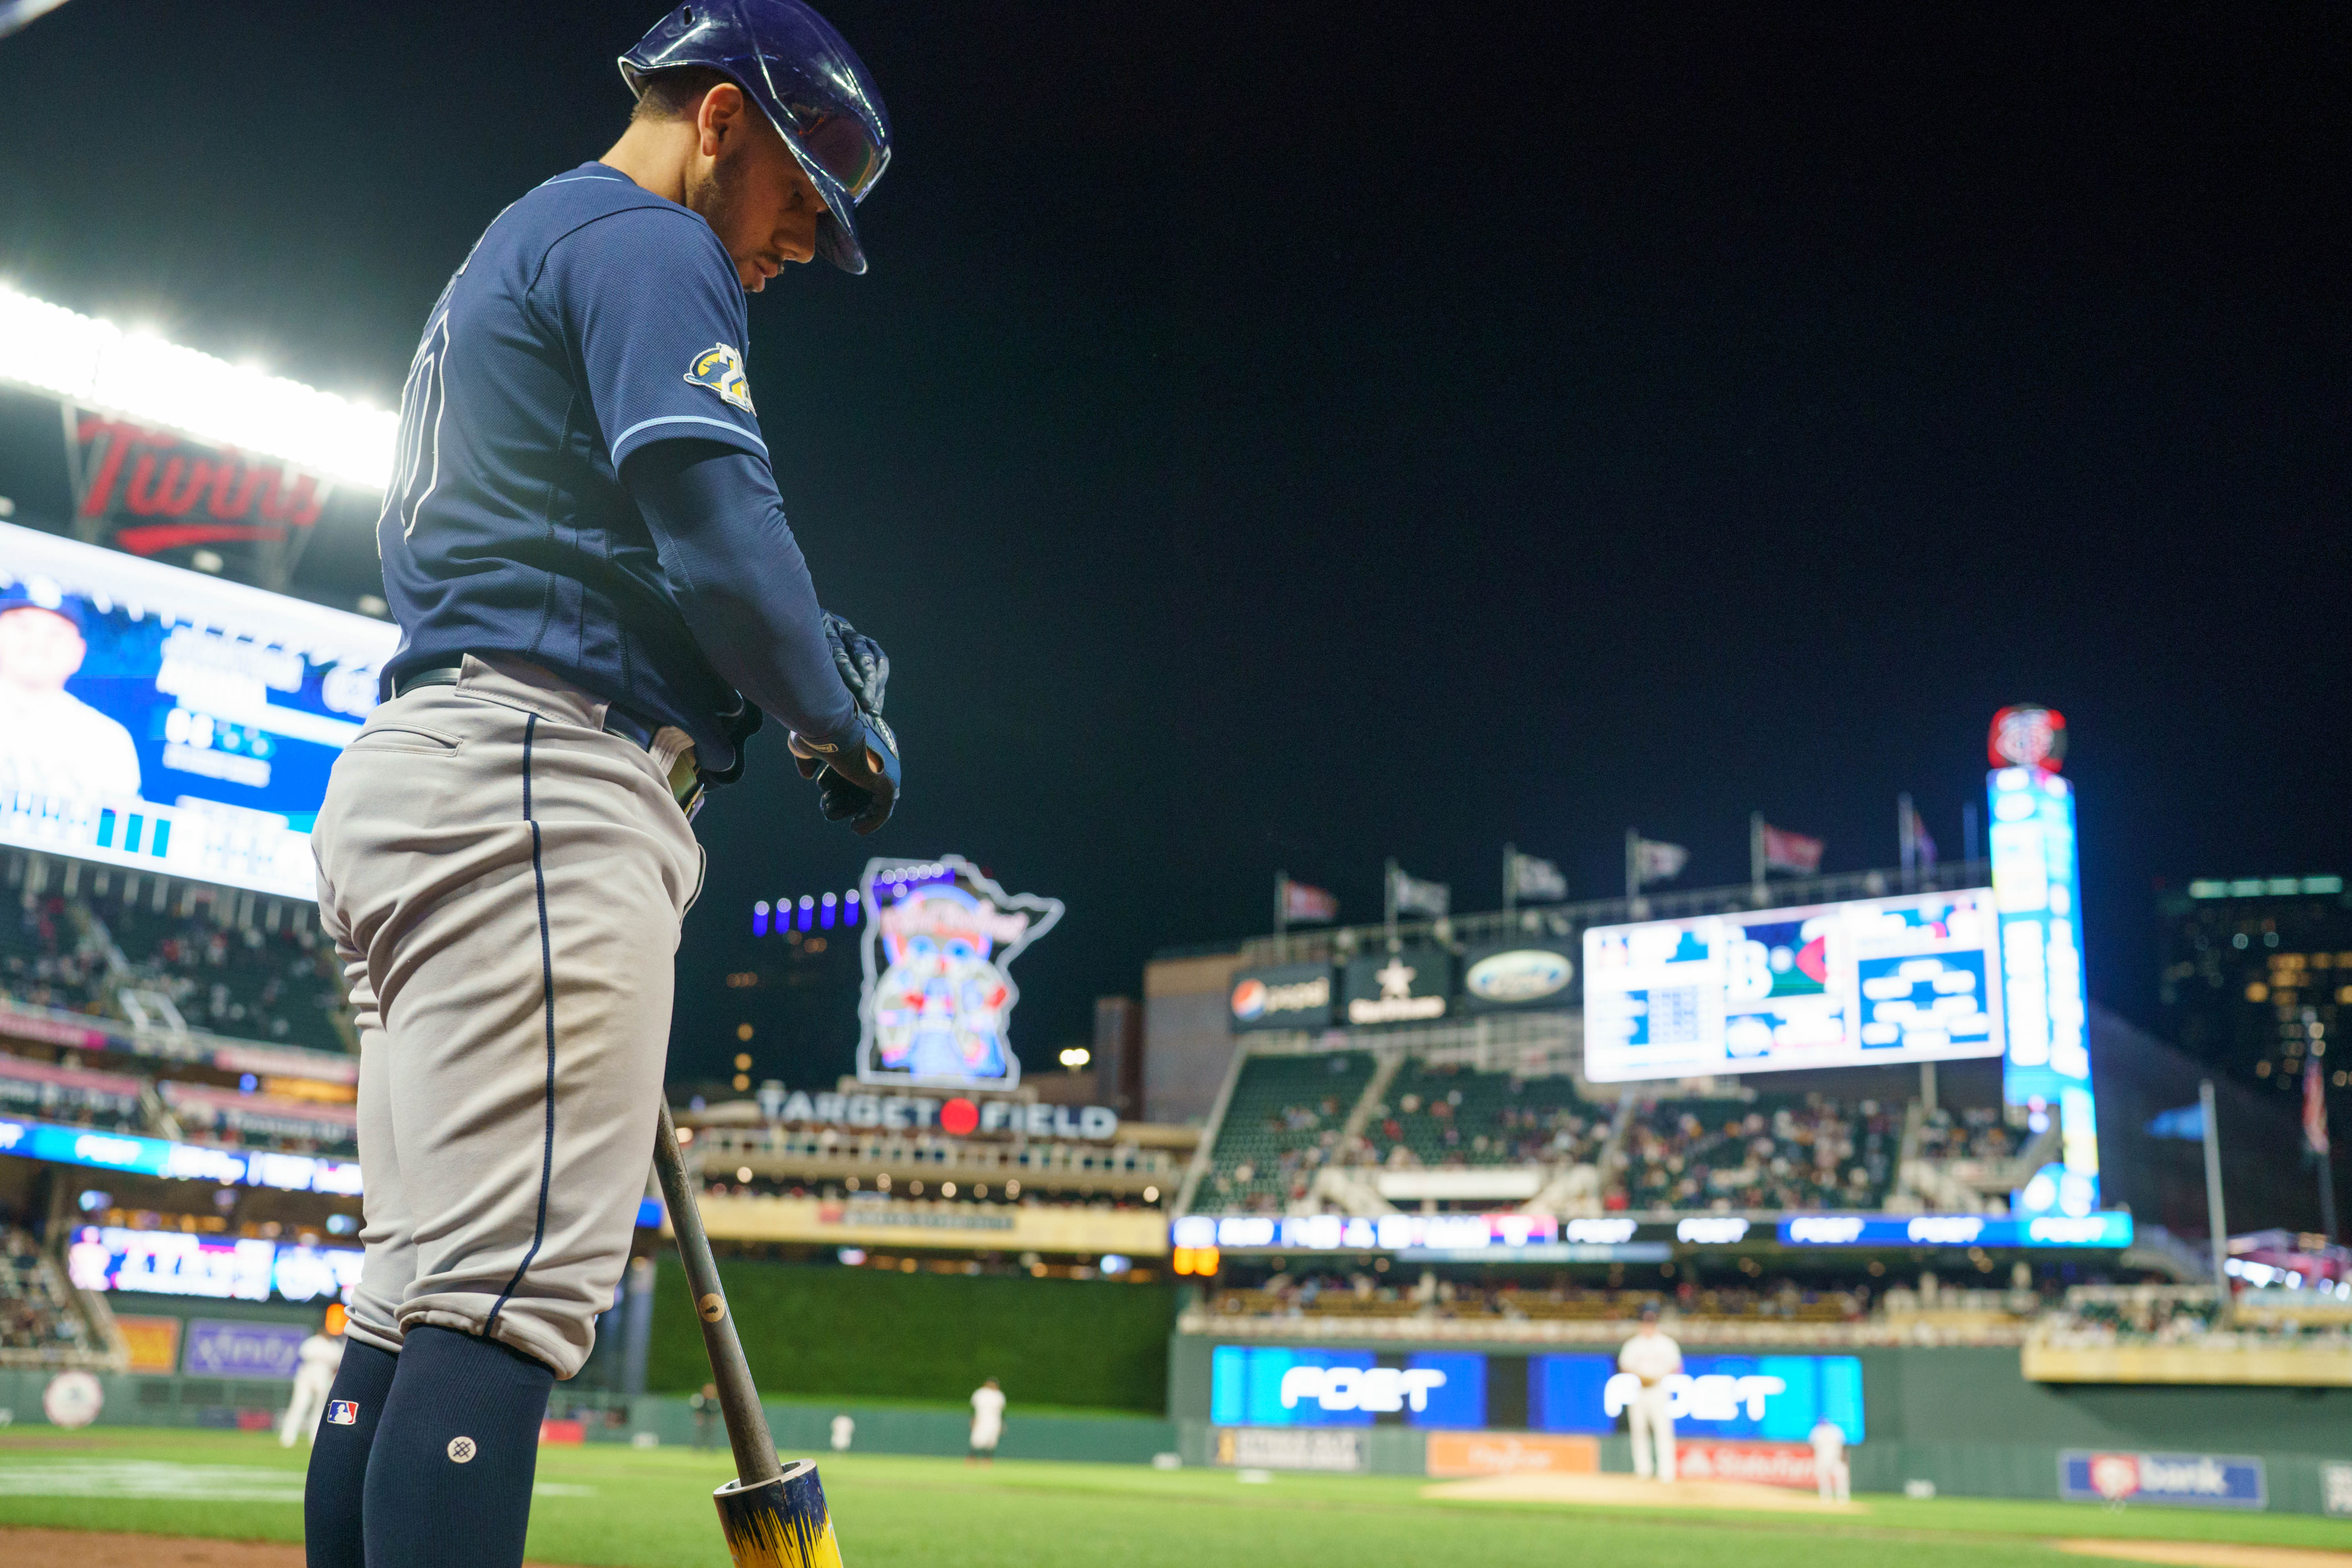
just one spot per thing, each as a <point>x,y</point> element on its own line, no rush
<point>592,320</point>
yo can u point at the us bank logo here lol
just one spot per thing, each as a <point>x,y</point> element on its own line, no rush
<point>2188,1481</point>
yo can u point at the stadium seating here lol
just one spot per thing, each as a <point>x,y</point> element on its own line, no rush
<point>104,1099</point>
<point>1440,1116</point>
<point>1774,1152</point>
<point>38,1320</point>
<point>262,1121</point>
<point>276,987</point>
<point>1283,1121</point>
<point>50,958</point>
<point>1973,1135</point>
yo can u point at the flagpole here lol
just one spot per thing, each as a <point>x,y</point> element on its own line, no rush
<point>1632,867</point>
<point>1968,830</point>
<point>1389,899</point>
<point>1510,878</point>
<point>1906,841</point>
<point>2213,1220</point>
<point>2315,1088</point>
<point>1756,855</point>
<point>1282,917</point>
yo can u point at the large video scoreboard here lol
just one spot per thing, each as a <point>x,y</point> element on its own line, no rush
<point>1906,979</point>
<point>166,721</point>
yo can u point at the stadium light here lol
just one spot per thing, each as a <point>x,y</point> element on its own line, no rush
<point>96,364</point>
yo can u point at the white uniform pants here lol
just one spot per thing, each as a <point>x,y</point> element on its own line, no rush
<point>1835,1479</point>
<point>310,1402</point>
<point>504,882</point>
<point>1651,1420</point>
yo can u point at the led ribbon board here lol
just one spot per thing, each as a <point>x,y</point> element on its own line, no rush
<point>937,1008</point>
<point>165,721</point>
<point>1868,982</point>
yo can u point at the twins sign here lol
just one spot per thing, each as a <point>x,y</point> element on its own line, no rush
<point>938,1005</point>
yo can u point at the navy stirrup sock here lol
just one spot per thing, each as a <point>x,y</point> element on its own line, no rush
<point>449,1474</point>
<point>339,1458</point>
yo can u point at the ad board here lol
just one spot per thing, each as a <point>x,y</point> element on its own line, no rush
<point>220,1268</point>
<point>1284,996</point>
<point>167,721</point>
<point>1761,1398</point>
<point>1516,977</point>
<point>1870,981</point>
<point>2182,1481</point>
<point>1410,986</point>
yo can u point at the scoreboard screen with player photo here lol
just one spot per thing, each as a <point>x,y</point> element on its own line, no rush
<point>166,721</point>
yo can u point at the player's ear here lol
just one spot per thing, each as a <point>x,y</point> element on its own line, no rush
<point>721,115</point>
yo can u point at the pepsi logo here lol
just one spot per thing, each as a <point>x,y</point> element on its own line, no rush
<point>1249,999</point>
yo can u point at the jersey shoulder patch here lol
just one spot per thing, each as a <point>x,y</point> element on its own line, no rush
<point>720,368</point>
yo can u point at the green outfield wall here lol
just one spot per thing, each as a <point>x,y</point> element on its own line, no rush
<point>811,1330</point>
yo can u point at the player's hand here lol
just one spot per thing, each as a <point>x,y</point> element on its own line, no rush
<point>857,774</point>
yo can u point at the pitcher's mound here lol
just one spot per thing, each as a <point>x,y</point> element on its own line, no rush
<point>1632,1491</point>
<point>2209,1553</point>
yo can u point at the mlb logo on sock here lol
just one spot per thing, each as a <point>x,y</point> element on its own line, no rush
<point>342,1412</point>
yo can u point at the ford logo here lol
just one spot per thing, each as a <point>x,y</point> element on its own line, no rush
<point>1522,974</point>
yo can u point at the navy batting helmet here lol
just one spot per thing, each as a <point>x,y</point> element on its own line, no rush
<point>811,85</point>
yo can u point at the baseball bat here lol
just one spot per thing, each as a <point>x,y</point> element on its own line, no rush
<point>773,1515</point>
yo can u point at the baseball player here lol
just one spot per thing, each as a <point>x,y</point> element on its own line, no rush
<point>318,1356</point>
<point>1653,1359</point>
<point>598,598</point>
<point>1832,1475</point>
<point>987,1423</point>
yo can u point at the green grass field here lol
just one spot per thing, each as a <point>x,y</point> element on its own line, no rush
<point>651,1509</point>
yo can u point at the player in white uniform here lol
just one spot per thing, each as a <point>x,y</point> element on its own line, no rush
<point>987,1421</point>
<point>51,741</point>
<point>320,1355</point>
<point>1651,1358</point>
<point>1831,1473</point>
<point>844,1431</point>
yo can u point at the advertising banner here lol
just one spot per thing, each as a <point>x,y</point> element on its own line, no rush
<point>218,1349</point>
<point>1512,1453</point>
<point>1408,986</point>
<point>1516,977</point>
<point>1767,1396</point>
<point>1286,996</point>
<point>173,1263</point>
<point>2185,1481</point>
<point>1284,1449</point>
<point>168,721</point>
<point>154,1343</point>
<point>68,1145</point>
<point>1759,1463</point>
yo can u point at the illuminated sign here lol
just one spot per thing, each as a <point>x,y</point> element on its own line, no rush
<point>2187,1481</point>
<point>1508,976</point>
<point>1874,980</point>
<point>2048,1061</point>
<point>1286,996</point>
<point>170,722</point>
<point>937,1008</point>
<point>68,1145</point>
<point>241,1268</point>
<point>956,1117</point>
<point>2112,1228</point>
<point>1722,1396</point>
<point>1408,986</point>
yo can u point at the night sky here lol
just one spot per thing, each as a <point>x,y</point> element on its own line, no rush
<point>1290,437</point>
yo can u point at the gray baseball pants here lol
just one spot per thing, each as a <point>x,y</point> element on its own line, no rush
<point>504,882</point>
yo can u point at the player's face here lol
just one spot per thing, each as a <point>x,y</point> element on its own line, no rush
<point>38,649</point>
<point>752,191</point>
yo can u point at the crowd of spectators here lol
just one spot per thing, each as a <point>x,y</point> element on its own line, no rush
<point>1446,1116</point>
<point>1767,1153</point>
<point>1979,1135</point>
<point>240,980</point>
<point>107,1100</point>
<point>49,956</point>
<point>1283,1121</point>
<point>38,1320</point>
<point>1388,1295</point>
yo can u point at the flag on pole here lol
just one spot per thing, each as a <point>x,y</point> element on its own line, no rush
<point>1534,880</point>
<point>1786,851</point>
<point>2187,1122</point>
<point>1921,844</point>
<point>1410,895</point>
<point>2314,1109</point>
<point>1657,862</point>
<point>1302,902</point>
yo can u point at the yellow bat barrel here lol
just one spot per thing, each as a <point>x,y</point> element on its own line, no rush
<point>782,1523</point>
